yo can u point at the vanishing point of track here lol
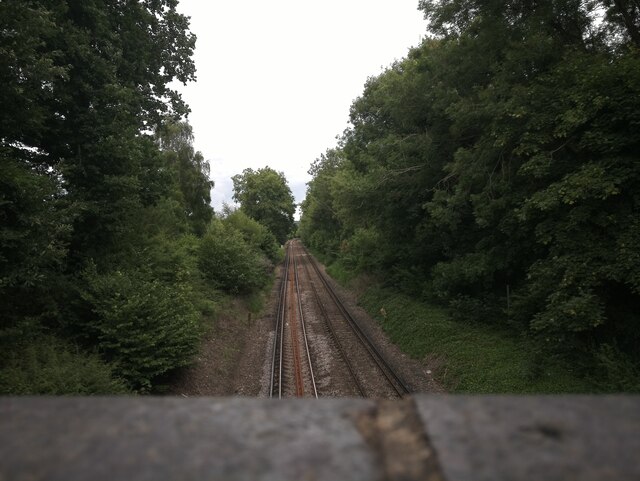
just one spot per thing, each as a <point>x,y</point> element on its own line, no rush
<point>292,372</point>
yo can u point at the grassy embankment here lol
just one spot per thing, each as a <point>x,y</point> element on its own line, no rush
<point>467,358</point>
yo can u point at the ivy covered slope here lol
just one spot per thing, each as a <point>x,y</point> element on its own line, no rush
<point>496,170</point>
<point>105,222</point>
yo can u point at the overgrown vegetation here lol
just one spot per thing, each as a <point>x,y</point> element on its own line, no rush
<point>232,254</point>
<point>495,171</point>
<point>110,253</point>
<point>49,365</point>
<point>470,358</point>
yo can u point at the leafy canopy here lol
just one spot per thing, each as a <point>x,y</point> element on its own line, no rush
<point>265,196</point>
<point>495,169</point>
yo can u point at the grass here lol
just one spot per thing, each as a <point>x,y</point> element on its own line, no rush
<point>468,358</point>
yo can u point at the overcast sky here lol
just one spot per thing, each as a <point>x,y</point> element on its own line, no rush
<point>276,78</point>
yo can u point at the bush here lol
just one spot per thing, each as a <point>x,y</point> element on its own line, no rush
<point>171,259</point>
<point>615,370</point>
<point>144,326</point>
<point>48,365</point>
<point>255,234</point>
<point>229,263</point>
<point>363,252</point>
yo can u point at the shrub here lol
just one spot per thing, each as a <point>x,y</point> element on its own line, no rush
<point>255,234</point>
<point>48,365</point>
<point>471,309</point>
<point>144,326</point>
<point>615,370</point>
<point>171,259</point>
<point>362,252</point>
<point>229,263</point>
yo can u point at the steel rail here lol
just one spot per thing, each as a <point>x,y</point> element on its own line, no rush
<point>292,324</point>
<point>399,386</point>
<point>278,333</point>
<point>304,329</point>
<point>332,332</point>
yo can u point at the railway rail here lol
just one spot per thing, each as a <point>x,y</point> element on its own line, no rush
<point>333,334</point>
<point>292,372</point>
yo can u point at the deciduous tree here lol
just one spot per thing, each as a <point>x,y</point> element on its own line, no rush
<point>264,195</point>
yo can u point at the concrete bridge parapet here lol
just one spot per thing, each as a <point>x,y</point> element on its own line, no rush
<point>453,438</point>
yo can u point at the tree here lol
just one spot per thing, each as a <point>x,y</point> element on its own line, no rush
<point>191,171</point>
<point>319,224</point>
<point>501,156</point>
<point>85,83</point>
<point>253,233</point>
<point>265,196</point>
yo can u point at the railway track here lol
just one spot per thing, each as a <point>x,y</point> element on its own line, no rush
<point>292,370</point>
<point>394,380</point>
<point>354,354</point>
<point>332,331</point>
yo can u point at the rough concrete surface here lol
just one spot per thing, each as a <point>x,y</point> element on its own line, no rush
<point>428,437</point>
<point>155,439</point>
<point>535,437</point>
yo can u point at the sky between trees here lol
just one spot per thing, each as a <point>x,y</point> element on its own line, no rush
<point>276,79</point>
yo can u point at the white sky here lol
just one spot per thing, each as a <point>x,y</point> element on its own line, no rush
<point>276,78</point>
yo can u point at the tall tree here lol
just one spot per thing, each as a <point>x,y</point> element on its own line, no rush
<point>265,196</point>
<point>501,156</point>
<point>319,225</point>
<point>191,171</point>
<point>85,83</point>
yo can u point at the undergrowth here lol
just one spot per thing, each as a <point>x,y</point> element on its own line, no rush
<point>53,366</point>
<point>472,358</point>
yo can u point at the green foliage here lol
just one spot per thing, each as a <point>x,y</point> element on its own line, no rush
<point>265,197</point>
<point>228,262</point>
<point>340,273</point>
<point>142,325</point>
<point>102,196</point>
<point>191,171</point>
<point>33,239</point>
<point>82,83</point>
<point>48,365</point>
<point>362,251</point>
<point>320,227</point>
<point>469,358</point>
<point>616,371</point>
<point>254,234</point>
<point>500,156</point>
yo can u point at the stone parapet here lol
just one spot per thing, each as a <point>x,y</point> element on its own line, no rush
<point>454,438</point>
